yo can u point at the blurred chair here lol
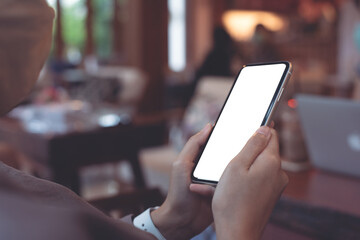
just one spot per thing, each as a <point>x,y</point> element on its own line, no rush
<point>132,82</point>
<point>121,86</point>
<point>204,108</point>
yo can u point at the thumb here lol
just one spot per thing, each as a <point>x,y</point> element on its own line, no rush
<point>193,146</point>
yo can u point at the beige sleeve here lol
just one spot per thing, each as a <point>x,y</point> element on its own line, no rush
<point>25,41</point>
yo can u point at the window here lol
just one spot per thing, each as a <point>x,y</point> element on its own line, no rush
<point>103,17</point>
<point>73,19</point>
<point>52,3</point>
<point>73,27</point>
<point>177,35</point>
<point>74,15</point>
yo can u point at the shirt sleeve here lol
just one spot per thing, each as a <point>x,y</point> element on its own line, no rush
<point>145,223</point>
<point>25,41</point>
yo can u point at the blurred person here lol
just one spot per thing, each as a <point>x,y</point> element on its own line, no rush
<point>317,17</point>
<point>32,208</point>
<point>218,61</point>
<point>265,49</point>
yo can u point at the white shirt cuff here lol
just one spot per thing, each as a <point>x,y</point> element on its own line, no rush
<point>145,223</point>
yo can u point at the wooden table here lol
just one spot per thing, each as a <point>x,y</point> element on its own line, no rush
<point>330,201</point>
<point>326,189</point>
<point>66,153</point>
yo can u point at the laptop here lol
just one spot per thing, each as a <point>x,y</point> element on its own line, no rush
<point>331,129</point>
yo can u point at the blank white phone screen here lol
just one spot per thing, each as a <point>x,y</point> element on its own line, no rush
<point>242,115</point>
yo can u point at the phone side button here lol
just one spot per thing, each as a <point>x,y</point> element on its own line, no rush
<point>279,96</point>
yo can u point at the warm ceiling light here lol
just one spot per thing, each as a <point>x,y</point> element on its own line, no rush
<point>241,24</point>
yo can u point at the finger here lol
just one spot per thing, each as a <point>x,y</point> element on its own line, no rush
<point>202,189</point>
<point>192,147</point>
<point>256,144</point>
<point>273,145</point>
<point>270,155</point>
<point>272,124</point>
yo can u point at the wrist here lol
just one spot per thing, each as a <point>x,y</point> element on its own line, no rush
<point>233,233</point>
<point>171,224</point>
<point>236,229</point>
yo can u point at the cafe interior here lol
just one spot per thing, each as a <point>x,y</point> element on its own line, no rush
<point>127,83</point>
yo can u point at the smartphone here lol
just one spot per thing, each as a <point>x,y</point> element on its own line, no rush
<point>250,104</point>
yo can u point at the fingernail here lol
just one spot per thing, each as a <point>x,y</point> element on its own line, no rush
<point>264,130</point>
<point>206,128</point>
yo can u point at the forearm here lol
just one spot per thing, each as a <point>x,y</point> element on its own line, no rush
<point>243,225</point>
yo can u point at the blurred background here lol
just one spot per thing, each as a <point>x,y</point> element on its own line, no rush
<point>128,82</point>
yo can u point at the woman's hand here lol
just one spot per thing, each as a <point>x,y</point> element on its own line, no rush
<point>249,188</point>
<point>186,211</point>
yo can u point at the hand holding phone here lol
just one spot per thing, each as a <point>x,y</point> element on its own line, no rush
<point>249,105</point>
<point>253,182</point>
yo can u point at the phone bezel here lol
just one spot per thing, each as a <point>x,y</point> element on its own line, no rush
<point>272,106</point>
